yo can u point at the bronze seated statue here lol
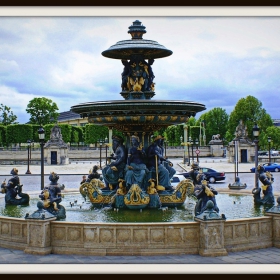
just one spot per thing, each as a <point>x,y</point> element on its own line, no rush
<point>51,196</point>
<point>13,190</point>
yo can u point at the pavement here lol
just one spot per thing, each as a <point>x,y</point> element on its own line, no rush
<point>262,261</point>
<point>245,262</point>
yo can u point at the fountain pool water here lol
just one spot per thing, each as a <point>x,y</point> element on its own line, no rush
<point>234,206</point>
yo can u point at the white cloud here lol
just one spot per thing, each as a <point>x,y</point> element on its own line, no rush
<point>215,61</point>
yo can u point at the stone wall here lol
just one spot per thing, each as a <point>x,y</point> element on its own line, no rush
<point>207,238</point>
<point>21,156</point>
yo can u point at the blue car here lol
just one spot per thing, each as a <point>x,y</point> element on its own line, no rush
<point>269,166</point>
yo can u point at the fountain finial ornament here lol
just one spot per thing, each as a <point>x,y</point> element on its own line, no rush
<point>137,29</point>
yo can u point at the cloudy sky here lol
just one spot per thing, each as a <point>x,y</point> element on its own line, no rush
<point>215,61</point>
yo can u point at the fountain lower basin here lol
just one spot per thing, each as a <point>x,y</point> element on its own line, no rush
<point>234,206</point>
<point>118,233</point>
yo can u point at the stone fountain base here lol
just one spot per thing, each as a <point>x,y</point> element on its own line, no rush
<point>43,237</point>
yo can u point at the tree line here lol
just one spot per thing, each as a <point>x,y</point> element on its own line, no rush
<point>44,112</point>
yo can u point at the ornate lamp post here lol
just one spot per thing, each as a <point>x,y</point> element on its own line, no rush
<point>191,142</point>
<point>188,143</point>
<point>236,151</point>
<point>28,156</point>
<point>100,148</point>
<point>224,151</point>
<point>106,143</point>
<point>181,139</point>
<point>41,133</point>
<point>269,153</point>
<point>256,133</point>
<point>197,151</point>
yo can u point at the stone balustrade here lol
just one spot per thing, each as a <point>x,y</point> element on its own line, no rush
<point>207,238</point>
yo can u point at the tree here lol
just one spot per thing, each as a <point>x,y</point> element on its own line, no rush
<point>274,133</point>
<point>77,135</point>
<point>19,133</point>
<point>6,115</point>
<point>42,111</point>
<point>171,134</point>
<point>95,132</point>
<point>216,122</point>
<point>250,111</point>
<point>3,132</point>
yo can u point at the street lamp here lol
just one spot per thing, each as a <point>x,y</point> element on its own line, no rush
<point>100,148</point>
<point>41,133</point>
<point>191,142</point>
<point>28,156</point>
<point>269,154</point>
<point>106,143</point>
<point>236,151</point>
<point>224,151</point>
<point>197,151</point>
<point>181,139</point>
<point>256,133</point>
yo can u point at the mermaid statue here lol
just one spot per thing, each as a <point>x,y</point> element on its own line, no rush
<point>13,190</point>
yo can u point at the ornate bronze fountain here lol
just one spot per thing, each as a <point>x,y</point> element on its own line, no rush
<point>137,114</point>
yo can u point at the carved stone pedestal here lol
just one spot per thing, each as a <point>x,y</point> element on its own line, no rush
<point>211,232</point>
<point>275,213</point>
<point>38,237</point>
<point>211,241</point>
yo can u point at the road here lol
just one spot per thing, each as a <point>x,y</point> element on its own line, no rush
<point>71,175</point>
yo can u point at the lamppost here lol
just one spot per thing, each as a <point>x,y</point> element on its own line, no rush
<point>269,153</point>
<point>188,143</point>
<point>106,143</point>
<point>197,151</point>
<point>256,133</point>
<point>28,156</point>
<point>191,142</point>
<point>181,139</point>
<point>236,150</point>
<point>224,151</point>
<point>100,148</point>
<point>41,133</point>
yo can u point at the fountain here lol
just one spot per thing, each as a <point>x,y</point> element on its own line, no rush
<point>123,231</point>
<point>137,117</point>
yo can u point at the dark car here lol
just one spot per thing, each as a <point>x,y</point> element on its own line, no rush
<point>211,175</point>
<point>269,166</point>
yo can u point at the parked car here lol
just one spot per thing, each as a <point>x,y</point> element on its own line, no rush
<point>176,179</point>
<point>211,175</point>
<point>273,153</point>
<point>269,166</point>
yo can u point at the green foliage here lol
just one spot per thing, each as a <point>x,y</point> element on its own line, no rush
<point>3,131</point>
<point>6,115</point>
<point>215,122</point>
<point>173,134</point>
<point>47,128</point>
<point>35,134</point>
<point>66,131</point>
<point>42,111</point>
<point>250,111</point>
<point>95,132</point>
<point>77,134</point>
<point>19,133</point>
<point>274,133</point>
